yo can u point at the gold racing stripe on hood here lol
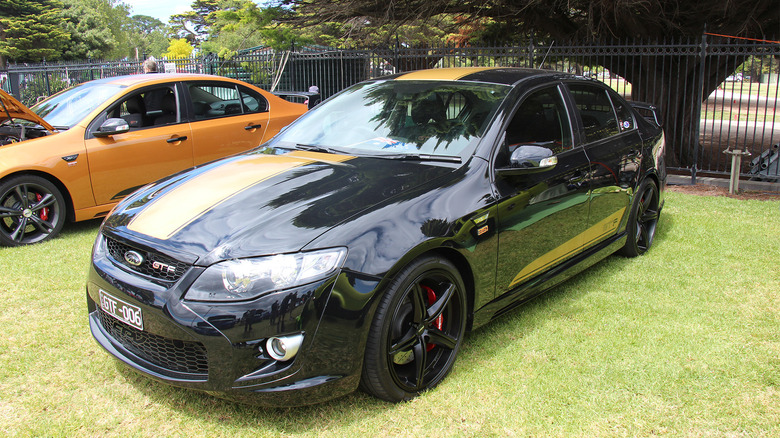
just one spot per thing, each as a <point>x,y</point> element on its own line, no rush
<point>442,74</point>
<point>192,199</point>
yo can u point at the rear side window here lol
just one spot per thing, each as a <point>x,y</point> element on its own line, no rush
<point>624,115</point>
<point>595,108</point>
<point>213,100</point>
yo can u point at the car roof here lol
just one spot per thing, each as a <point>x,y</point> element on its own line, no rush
<point>131,80</point>
<point>496,75</point>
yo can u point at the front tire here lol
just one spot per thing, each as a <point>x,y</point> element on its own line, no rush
<point>32,210</point>
<point>642,220</point>
<point>417,332</point>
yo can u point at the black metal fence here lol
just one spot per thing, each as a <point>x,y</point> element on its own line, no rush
<point>703,114</point>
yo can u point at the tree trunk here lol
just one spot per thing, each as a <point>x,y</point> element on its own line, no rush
<point>674,83</point>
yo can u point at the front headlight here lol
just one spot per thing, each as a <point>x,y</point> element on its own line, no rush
<point>243,279</point>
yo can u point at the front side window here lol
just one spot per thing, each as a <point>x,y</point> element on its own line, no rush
<point>595,108</point>
<point>147,108</point>
<point>541,120</point>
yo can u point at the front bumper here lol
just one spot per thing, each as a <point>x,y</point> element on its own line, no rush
<point>220,348</point>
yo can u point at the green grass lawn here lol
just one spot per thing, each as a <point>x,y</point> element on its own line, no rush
<point>684,341</point>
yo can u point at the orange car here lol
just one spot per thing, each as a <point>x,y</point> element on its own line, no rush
<point>77,153</point>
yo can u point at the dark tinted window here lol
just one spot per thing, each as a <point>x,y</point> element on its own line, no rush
<point>253,101</point>
<point>624,115</point>
<point>541,120</point>
<point>598,116</point>
<point>212,100</point>
<point>150,107</point>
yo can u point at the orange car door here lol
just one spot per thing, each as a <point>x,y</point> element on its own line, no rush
<point>157,145</point>
<point>227,119</point>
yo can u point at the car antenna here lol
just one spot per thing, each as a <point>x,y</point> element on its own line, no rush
<point>545,55</point>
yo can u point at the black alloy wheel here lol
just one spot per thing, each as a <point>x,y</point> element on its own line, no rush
<point>32,210</point>
<point>417,331</point>
<point>643,220</point>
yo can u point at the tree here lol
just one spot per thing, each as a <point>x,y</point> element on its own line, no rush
<point>148,35</point>
<point>587,20</point>
<point>178,49</point>
<point>31,30</point>
<point>98,29</point>
<point>195,25</point>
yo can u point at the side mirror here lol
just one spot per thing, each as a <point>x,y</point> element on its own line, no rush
<point>529,159</point>
<point>112,127</point>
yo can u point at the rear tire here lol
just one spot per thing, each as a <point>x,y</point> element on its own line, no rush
<point>417,331</point>
<point>32,210</point>
<point>642,220</point>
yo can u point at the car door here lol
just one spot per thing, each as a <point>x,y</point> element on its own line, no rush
<point>613,146</point>
<point>227,118</point>
<point>541,215</point>
<point>158,144</point>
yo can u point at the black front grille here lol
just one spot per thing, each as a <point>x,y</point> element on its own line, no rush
<point>154,265</point>
<point>171,354</point>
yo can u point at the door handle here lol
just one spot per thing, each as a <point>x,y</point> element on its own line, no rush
<point>176,139</point>
<point>251,127</point>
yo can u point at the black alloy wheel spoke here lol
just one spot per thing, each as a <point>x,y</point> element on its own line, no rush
<point>9,212</point>
<point>420,364</point>
<point>46,201</point>
<point>644,236</point>
<point>436,309</point>
<point>438,337</point>
<point>409,340</point>
<point>419,298</point>
<point>18,234</point>
<point>23,197</point>
<point>42,225</point>
<point>649,216</point>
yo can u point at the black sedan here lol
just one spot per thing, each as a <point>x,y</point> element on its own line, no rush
<point>358,246</point>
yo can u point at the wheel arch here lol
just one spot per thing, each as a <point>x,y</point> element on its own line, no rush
<point>70,214</point>
<point>464,269</point>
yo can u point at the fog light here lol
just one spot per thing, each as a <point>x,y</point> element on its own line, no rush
<point>284,347</point>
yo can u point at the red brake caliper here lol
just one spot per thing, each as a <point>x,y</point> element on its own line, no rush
<point>44,211</point>
<point>439,323</point>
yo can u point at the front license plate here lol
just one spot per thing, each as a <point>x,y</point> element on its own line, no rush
<point>125,312</point>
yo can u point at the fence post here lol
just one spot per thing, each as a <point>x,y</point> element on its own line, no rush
<point>395,55</point>
<point>531,50</point>
<point>697,105</point>
<point>45,80</point>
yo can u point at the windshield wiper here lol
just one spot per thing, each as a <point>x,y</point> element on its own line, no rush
<point>422,157</point>
<point>314,148</point>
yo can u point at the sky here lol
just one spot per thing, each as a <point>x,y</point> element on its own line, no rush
<point>159,9</point>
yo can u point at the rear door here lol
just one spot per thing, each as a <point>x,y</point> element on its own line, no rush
<point>227,118</point>
<point>613,146</point>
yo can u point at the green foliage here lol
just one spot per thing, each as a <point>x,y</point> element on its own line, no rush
<point>195,24</point>
<point>90,35</point>
<point>31,30</point>
<point>148,35</point>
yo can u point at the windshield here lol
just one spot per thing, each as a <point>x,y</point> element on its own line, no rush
<point>69,107</point>
<point>400,117</point>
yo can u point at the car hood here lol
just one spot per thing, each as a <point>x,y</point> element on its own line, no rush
<point>267,201</point>
<point>10,108</point>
